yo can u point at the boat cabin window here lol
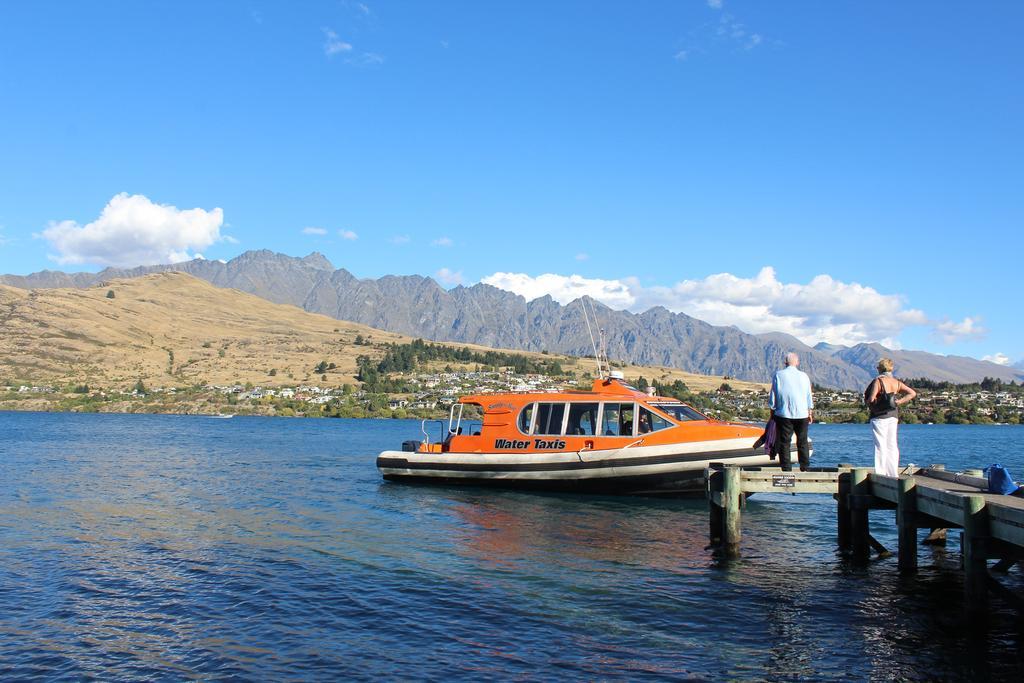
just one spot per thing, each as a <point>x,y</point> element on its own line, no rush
<point>679,412</point>
<point>617,419</point>
<point>549,418</point>
<point>582,419</point>
<point>651,422</point>
<point>526,418</point>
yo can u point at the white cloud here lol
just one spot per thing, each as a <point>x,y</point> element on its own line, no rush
<point>366,59</point>
<point>968,328</point>
<point>314,231</point>
<point>443,242</point>
<point>334,45</point>
<point>725,32</point>
<point>822,310</point>
<point>582,256</point>
<point>997,358</point>
<point>348,235</point>
<point>730,29</point>
<point>449,277</point>
<point>400,240</point>
<point>133,231</point>
<point>563,289</point>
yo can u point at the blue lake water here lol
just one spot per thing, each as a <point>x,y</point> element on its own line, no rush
<point>180,547</point>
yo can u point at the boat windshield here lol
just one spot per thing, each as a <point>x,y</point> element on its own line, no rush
<point>680,412</point>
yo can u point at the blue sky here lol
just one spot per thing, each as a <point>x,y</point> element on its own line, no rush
<point>843,171</point>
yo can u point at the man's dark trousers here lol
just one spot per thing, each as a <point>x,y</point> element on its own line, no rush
<point>787,426</point>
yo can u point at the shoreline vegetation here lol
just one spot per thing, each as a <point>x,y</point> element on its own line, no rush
<point>421,380</point>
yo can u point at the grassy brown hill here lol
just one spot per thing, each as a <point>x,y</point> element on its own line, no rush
<point>169,329</point>
<point>172,329</point>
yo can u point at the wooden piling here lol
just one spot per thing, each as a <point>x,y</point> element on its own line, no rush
<point>906,523</point>
<point>732,492</point>
<point>843,511</point>
<point>860,490</point>
<point>714,492</point>
<point>975,524</point>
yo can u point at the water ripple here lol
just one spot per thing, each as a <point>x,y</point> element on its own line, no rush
<point>177,548</point>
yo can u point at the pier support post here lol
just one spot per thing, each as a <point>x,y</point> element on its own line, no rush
<point>975,569</point>
<point>714,490</point>
<point>906,524</point>
<point>732,491</point>
<point>843,511</point>
<point>860,489</point>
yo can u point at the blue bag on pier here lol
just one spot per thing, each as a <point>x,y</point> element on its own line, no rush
<point>999,480</point>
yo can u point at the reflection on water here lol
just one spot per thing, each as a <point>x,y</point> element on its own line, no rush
<point>139,547</point>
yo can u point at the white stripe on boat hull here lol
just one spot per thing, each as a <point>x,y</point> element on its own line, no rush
<point>668,462</point>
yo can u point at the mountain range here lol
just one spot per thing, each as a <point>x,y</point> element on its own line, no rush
<point>484,315</point>
<point>173,329</point>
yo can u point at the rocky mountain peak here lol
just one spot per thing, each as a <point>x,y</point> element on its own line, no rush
<point>482,314</point>
<point>318,261</point>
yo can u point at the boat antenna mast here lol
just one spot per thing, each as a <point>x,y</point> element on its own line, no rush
<point>590,331</point>
<point>602,339</point>
<point>599,345</point>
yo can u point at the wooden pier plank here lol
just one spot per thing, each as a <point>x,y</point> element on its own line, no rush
<point>945,505</point>
<point>1006,519</point>
<point>800,487</point>
<point>953,477</point>
<point>885,487</point>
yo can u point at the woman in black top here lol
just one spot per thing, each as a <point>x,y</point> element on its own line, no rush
<point>883,396</point>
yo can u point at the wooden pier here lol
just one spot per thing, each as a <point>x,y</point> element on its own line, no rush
<point>923,498</point>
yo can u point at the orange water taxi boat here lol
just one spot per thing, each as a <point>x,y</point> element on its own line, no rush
<point>612,439</point>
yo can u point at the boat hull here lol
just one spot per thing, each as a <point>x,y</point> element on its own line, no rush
<point>676,469</point>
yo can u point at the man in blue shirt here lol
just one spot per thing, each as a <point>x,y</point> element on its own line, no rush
<point>792,409</point>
